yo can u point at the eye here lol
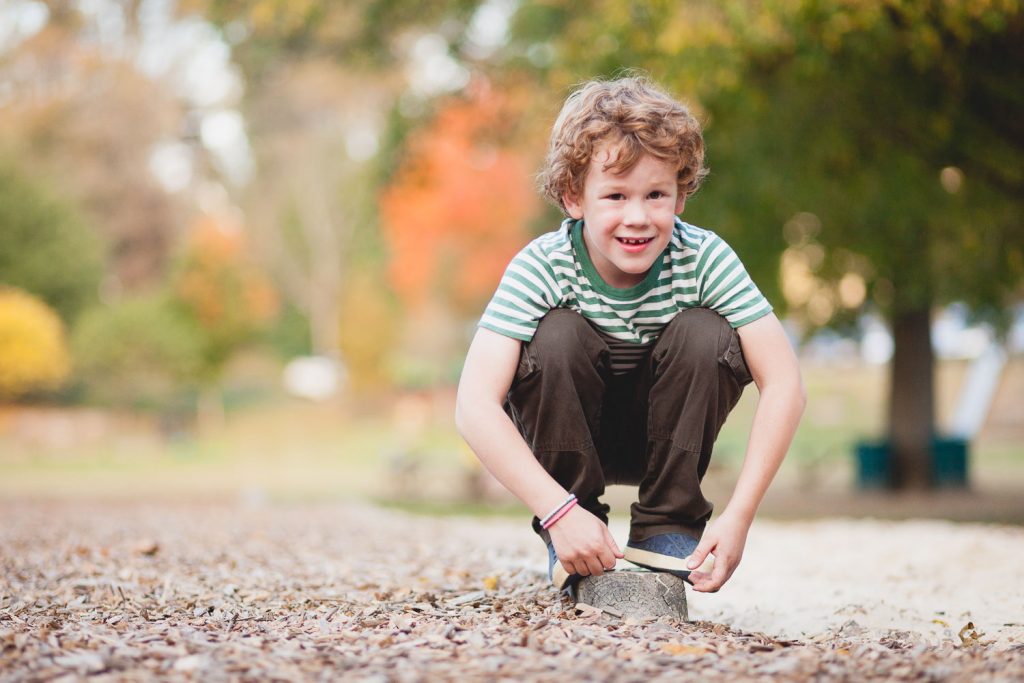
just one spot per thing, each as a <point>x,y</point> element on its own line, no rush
<point>615,196</point>
<point>657,194</point>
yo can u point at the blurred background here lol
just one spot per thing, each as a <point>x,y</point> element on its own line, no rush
<point>244,245</point>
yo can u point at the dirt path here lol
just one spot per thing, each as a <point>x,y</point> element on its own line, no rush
<point>190,592</point>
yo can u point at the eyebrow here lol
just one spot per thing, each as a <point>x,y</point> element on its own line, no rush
<point>613,185</point>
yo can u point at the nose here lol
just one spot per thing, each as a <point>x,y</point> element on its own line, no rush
<point>634,214</point>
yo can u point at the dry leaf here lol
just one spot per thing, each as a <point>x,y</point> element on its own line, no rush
<point>586,611</point>
<point>969,636</point>
<point>683,649</point>
<point>146,546</point>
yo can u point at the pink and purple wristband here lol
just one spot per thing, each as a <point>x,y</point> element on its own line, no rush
<point>559,512</point>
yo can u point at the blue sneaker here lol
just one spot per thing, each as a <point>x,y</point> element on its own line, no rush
<point>560,578</point>
<point>666,553</point>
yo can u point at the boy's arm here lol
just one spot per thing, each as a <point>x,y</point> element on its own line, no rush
<point>781,401</point>
<point>582,541</point>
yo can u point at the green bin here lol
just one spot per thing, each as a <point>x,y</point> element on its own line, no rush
<point>949,463</point>
<point>873,465</point>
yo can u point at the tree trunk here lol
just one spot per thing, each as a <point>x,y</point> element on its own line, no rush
<point>911,400</point>
<point>324,314</point>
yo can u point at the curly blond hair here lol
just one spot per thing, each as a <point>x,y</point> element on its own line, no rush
<point>634,117</point>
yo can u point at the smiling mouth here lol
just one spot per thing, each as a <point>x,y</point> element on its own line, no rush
<point>634,241</point>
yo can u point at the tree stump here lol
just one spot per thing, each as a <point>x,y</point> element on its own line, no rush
<point>639,594</point>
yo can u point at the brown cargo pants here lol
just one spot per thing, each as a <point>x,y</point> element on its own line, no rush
<point>654,426</point>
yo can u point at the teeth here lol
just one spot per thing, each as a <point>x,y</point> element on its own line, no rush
<point>626,240</point>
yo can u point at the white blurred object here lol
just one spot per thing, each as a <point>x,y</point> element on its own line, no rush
<point>316,378</point>
<point>978,390</point>
<point>876,344</point>
<point>1015,338</point>
<point>954,337</point>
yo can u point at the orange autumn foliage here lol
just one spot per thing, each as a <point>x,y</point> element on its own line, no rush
<point>219,280</point>
<point>459,206</point>
<point>223,289</point>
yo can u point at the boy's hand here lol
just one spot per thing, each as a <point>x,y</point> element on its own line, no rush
<point>583,543</point>
<point>725,538</point>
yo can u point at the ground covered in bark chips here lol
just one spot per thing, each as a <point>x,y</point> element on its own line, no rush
<point>125,591</point>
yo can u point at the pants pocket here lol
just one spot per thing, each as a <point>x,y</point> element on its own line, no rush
<point>735,361</point>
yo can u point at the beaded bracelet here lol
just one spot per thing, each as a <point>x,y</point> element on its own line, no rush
<point>562,508</point>
<point>561,513</point>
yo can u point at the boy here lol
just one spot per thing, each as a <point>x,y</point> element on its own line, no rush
<point>616,346</point>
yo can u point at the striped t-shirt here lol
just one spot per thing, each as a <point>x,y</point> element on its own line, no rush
<point>697,269</point>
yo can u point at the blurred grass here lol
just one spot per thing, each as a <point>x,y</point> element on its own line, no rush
<point>290,450</point>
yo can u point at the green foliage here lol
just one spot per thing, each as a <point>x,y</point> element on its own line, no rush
<point>33,350</point>
<point>356,32</point>
<point>141,352</point>
<point>895,121</point>
<point>45,246</point>
<point>289,334</point>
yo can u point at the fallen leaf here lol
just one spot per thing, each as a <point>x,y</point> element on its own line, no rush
<point>401,622</point>
<point>969,636</point>
<point>83,662</point>
<point>683,649</point>
<point>146,546</point>
<point>188,663</point>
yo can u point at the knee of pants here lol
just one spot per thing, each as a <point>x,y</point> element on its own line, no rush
<point>565,339</point>
<point>696,338</point>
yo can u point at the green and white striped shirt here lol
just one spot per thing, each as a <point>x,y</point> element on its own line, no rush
<point>697,269</point>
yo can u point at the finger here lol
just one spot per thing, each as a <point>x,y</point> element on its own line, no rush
<point>612,545</point>
<point>607,559</point>
<point>722,571</point>
<point>594,566</point>
<point>713,581</point>
<point>702,582</point>
<point>698,555</point>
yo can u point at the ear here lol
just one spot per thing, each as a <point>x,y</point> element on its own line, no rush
<point>680,203</point>
<point>573,206</point>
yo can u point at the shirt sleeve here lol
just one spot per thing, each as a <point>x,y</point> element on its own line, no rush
<point>724,285</point>
<point>527,291</point>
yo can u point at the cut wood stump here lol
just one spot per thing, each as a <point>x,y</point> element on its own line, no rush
<point>637,594</point>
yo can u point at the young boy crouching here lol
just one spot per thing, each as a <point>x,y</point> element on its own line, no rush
<point>615,347</point>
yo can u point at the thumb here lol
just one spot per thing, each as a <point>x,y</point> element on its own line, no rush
<point>697,557</point>
<point>612,544</point>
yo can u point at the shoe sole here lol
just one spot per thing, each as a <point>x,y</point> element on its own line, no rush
<point>559,577</point>
<point>666,563</point>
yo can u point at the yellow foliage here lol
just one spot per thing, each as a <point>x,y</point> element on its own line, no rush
<point>33,347</point>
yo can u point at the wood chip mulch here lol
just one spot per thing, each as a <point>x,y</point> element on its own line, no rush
<point>132,591</point>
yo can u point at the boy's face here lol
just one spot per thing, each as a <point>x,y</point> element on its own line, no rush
<point>628,217</point>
